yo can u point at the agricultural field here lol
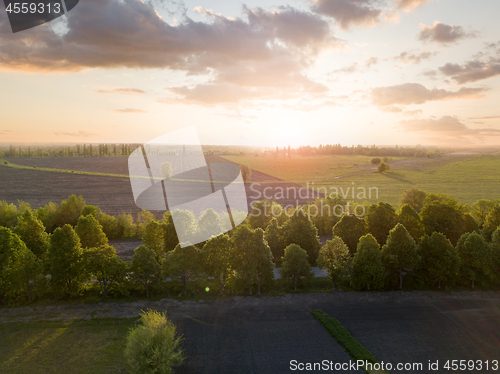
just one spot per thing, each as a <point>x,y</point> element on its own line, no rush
<point>257,335</point>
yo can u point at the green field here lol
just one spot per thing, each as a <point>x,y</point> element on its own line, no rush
<point>80,346</point>
<point>300,168</point>
<point>468,178</point>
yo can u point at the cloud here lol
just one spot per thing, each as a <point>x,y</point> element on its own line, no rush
<point>485,118</point>
<point>415,93</point>
<point>3,132</point>
<point>79,134</point>
<point>447,126</point>
<point>410,4</point>
<point>129,110</point>
<point>414,58</point>
<point>350,12</point>
<point>123,91</point>
<point>444,34</point>
<point>355,67</point>
<point>471,71</point>
<point>260,48</point>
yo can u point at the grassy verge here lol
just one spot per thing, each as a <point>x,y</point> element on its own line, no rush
<point>80,346</point>
<point>355,349</point>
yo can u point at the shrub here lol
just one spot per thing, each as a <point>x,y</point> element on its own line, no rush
<point>153,347</point>
<point>376,161</point>
<point>246,173</point>
<point>383,167</point>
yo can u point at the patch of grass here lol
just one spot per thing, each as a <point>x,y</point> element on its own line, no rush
<point>355,349</point>
<point>302,168</point>
<point>81,346</point>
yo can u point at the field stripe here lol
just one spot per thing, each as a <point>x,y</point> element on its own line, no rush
<point>355,349</point>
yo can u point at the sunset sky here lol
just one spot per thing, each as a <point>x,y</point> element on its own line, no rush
<point>256,72</point>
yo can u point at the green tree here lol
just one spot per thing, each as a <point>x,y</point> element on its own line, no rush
<point>105,266</point>
<point>90,232</point>
<point>253,260</point>
<point>152,347</point>
<point>261,214</point>
<point>109,225</point>
<point>32,232</point>
<point>69,211</point>
<point>300,230</point>
<point>8,214</point>
<point>170,240</point>
<point>376,161</point>
<point>409,218</point>
<point>414,197</point>
<point>491,222</point>
<point>126,227</point>
<point>184,263</point>
<point>217,255</point>
<point>368,271</point>
<point>295,264</point>
<point>143,218</point>
<point>166,170</point>
<point>380,219</point>
<point>350,229</point>
<point>400,252</point>
<point>154,237</point>
<point>186,225</point>
<point>383,167</point>
<point>480,209</point>
<point>64,262</point>
<point>210,224</point>
<point>443,218</point>
<point>145,268</point>
<point>438,260</point>
<point>335,257</point>
<point>475,255</point>
<point>274,236</point>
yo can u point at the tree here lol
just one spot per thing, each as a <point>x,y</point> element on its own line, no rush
<point>32,232</point>
<point>300,230</point>
<point>274,236</point>
<point>145,269</point>
<point>367,268</point>
<point>480,209</point>
<point>109,225</point>
<point>154,237</point>
<point>166,170</point>
<point>171,240</point>
<point>260,215</point>
<point>217,254</point>
<point>376,161</point>
<point>295,264</point>
<point>184,263</point>
<point>383,167</point>
<point>334,256</point>
<point>350,229</point>
<point>438,260</point>
<point>126,228</point>
<point>8,214</point>
<point>443,218</point>
<point>409,218</point>
<point>400,252</point>
<point>475,255</point>
<point>210,224</point>
<point>152,347</point>
<point>253,260</point>
<point>246,173</point>
<point>64,261</point>
<point>186,225</point>
<point>143,218</point>
<point>414,197</point>
<point>380,219</point>
<point>491,222</point>
<point>90,232</point>
<point>105,266</point>
<point>69,211</point>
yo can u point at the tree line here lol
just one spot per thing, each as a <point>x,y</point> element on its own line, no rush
<point>77,150</point>
<point>62,250</point>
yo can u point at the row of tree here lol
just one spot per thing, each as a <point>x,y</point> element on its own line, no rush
<point>78,150</point>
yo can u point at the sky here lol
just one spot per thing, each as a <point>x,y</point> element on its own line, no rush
<point>297,72</point>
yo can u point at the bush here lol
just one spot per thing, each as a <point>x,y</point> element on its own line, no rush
<point>376,161</point>
<point>383,167</point>
<point>246,173</point>
<point>153,347</point>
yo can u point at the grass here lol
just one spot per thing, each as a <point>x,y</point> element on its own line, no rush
<point>301,168</point>
<point>355,349</point>
<point>80,346</point>
<point>468,180</point>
